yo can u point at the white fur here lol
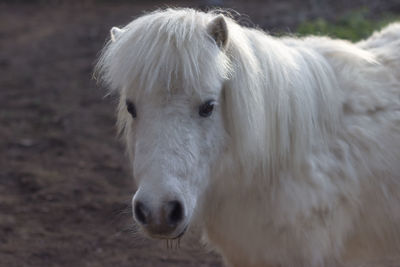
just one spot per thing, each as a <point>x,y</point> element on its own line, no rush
<point>299,165</point>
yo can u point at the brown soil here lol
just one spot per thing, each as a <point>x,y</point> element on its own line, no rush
<point>65,186</point>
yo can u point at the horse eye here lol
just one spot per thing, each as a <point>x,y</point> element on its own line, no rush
<point>206,109</point>
<point>131,108</point>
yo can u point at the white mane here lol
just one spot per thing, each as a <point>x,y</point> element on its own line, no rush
<point>162,47</point>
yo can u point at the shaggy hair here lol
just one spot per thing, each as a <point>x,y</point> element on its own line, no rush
<point>314,134</point>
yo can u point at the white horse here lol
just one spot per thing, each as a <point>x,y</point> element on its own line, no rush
<point>286,151</point>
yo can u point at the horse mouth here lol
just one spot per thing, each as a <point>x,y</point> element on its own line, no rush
<point>166,237</point>
<point>180,234</point>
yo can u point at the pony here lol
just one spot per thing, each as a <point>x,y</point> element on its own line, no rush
<point>283,151</point>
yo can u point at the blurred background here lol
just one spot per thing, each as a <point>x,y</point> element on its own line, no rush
<point>65,184</point>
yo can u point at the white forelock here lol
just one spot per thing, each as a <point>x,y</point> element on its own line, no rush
<point>163,49</point>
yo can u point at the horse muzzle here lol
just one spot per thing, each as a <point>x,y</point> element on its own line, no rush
<point>165,221</point>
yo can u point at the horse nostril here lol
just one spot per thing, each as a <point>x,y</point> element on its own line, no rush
<point>141,212</point>
<point>175,212</point>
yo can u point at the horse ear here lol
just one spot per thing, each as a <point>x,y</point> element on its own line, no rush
<point>218,30</point>
<point>115,33</point>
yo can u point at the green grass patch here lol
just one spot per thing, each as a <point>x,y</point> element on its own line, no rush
<point>354,26</point>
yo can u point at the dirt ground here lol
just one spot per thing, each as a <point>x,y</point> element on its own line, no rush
<point>65,186</point>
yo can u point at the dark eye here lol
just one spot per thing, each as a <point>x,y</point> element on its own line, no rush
<point>206,109</point>
<point>131,108</point>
